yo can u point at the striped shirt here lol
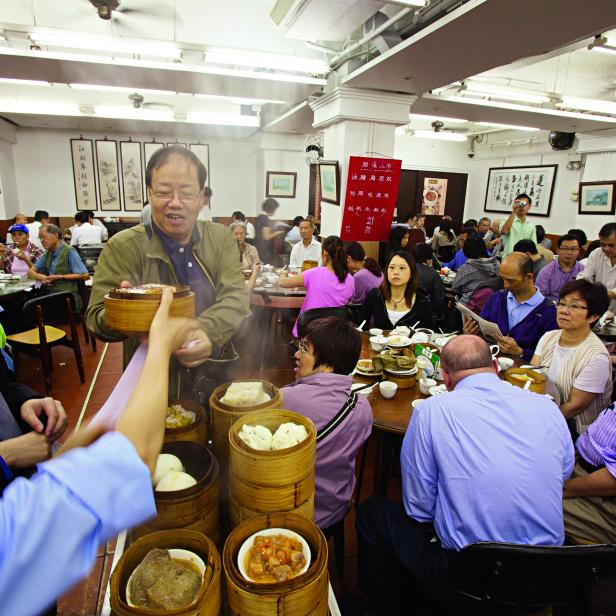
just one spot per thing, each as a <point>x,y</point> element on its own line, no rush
<point>598,444</point>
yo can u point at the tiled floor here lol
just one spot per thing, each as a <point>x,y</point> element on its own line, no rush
<point>85,598</point>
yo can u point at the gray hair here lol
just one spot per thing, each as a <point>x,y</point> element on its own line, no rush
<point>485,218</point>
<point>53,229</point>
<point>235,225</point>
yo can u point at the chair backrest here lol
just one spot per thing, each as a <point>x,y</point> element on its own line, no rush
<point>342,312</point>
<point>89,254</point>
<point>446,253</point>
<point>54,307</point>
<point>479,298</point>
<point>416,236</point>
<point>526,575</point>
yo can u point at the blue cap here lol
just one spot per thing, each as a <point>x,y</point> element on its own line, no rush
<point>19,227</point>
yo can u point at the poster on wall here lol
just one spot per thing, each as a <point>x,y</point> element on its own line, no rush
<point>108,175</point>
<point>202,152</point>
<point>132,182</point>
<point>84,180</point>
<point>434,197</point>
<point>597,198</point>
<point>371,193</point>
<point>181,145</point>
<point>149,149</point>
<point>506,183</point>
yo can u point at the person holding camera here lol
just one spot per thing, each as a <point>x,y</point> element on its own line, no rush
<point>516,227</point>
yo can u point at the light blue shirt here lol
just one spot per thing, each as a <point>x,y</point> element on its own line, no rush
<point>487,462</point>
<point>52,525</point>
<point>75,264</point>
<point>517,312</point>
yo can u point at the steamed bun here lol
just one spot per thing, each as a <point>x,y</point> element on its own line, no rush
<point>256,437</point>
<point>175,481</point>
<point>166,463</point>
<point>288,435</point>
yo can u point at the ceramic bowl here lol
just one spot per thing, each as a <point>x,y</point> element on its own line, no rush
<point>417,402</point>
<point>504,363</point>
<point>425,384</point>
<point>375,331</point>
<point>439,389</point>
<point>388,389</point>
<point>401,330</point>
<point>378,343</point>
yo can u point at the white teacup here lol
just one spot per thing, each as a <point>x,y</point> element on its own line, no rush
<point>495,350</point>
<point>388,389</point>
<point>378,343</point>
<point>375,331</point>
<point>402,330</point>
<point>417,402</point>
<point>504,363</point>
<point>425,384</point>
<point>420,338</point>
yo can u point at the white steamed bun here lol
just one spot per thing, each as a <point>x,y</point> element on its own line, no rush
<point>288,435</point>
<point>166,463</point>
<point>256,437</point>
<point>175,481</point>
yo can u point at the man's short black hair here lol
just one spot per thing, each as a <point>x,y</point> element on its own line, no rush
<point>40,215</point>
<point>207,192</point>
<point>474,248</point>
<point>162,156</point>
<point>82,217</point>
<point>239,216</point>
<point>594,294</point>
<point>608,229</point>
<point>568,237</point>
<point>269,206</point>
<point>581,235</point>
<point>469,231</point>
<point>524,196</point>
<point>422,252</point>
<point>526,246</point>
<point>471,222</point>
<point>336,343</point>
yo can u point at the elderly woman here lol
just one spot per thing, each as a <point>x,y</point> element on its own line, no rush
<point>248,254</point>
<point>579,368</point>
<point>22,255</point>
<point>328,352</point>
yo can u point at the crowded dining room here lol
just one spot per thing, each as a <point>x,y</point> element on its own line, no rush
<point>372,373</point>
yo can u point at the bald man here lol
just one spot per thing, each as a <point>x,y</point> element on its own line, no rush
<point>484,462</point>
<point>521,312</point>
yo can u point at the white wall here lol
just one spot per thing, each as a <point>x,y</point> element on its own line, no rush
<point>44,176</point>
<point>432,154</point>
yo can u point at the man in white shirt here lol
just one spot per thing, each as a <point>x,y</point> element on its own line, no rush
<point>601,265</point>
<point>205,213</point>
<point>309,249</point>
<point>86,232</point>
<point>41,217</point>
<point>97,223</point>
<point>238,216</point>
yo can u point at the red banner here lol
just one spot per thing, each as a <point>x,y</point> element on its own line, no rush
<point>371,192</point>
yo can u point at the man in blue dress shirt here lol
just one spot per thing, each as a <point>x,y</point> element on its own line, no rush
<point>484,462</point>
<point>52,525</point>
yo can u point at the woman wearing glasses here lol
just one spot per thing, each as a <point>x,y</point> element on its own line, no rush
<point>579,369</point>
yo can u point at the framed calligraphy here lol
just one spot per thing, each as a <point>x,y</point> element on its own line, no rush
<point>108,175</point>
<point>329,175</point>
<point>202,152</point>
<point>82,153</point>
<point>132,181</point>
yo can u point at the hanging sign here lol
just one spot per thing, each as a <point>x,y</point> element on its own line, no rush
<point>371,193</point>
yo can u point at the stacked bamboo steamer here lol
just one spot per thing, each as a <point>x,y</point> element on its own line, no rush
<point>194,508</point>
<point>209,599</point>
<point>262,482</point>
<point>195,432</point>
<point>225,415</point>
<point>520,376</point>
<point>306,594</point>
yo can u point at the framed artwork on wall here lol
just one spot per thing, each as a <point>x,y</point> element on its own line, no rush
<point>182,145</point>
<point>505,183</point>
<point>108,175</point>
<point>148,149</point>
<point>84,180</point>
<point>597,198</point>
<point>329,176</point>
<point>132,181</point>
<point>281,184</point>
<point>202,152</point>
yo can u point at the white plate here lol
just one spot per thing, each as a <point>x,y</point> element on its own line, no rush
<point>373,373</point>
<point>403,341</point>
<point>241,555</point>
<point>403,372</point>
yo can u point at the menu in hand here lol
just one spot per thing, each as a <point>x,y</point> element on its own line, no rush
<point>371,193</point>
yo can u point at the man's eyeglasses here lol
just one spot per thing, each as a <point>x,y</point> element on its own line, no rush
<point>563,305</point>
<point>185,197</point>
<point>569,249</point>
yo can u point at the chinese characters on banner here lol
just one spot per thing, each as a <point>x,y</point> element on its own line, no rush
<point>434,196</point>
<point>83,174</point>
<point>372,189</point>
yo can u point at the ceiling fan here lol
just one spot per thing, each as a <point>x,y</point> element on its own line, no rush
<point>107,8</point>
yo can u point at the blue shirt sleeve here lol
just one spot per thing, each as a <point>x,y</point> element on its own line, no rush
<point>419,470</point>
<point>75,263</point>
<point>51,526</point>
<point>40,264</point>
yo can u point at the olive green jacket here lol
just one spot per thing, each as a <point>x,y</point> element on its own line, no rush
<point>138,255</point>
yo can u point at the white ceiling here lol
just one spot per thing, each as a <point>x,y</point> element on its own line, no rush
<point>489,38</point>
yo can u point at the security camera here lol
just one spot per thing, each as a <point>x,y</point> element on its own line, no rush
<point>471,154</point>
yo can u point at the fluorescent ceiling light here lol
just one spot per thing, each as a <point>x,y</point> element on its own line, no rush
<point>240,101</point>
<point>120,112</point>
<point>509,126</point>
<point>295,64</point>
<point>441,135</point>
<point>223,119</point>
<point>24,82</point>
<point>39,107</point>
<point>75,40</point>
<point>589,104</point>
<point>417,3</point>
<point>97,88</point>
<point>482,89</point>
<point>421,116</point>
<point>604,49</point>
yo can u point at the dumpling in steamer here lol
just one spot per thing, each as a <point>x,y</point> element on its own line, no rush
<point>166,463</point>
<point>175,481</point>
<point>288,435</point>
<point>256,437</point>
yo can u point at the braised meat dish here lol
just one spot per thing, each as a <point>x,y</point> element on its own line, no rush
<point>274,558</point>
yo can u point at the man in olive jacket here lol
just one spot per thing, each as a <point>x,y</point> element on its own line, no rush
<point>176,249</point>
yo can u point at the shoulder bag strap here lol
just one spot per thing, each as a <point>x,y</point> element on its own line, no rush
<point>339,418</point>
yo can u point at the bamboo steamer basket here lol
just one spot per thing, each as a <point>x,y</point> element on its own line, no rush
<point>133,313</point>
<point>539,379</point>
<point>402,381</point>
<point>209,599</point>
<point>309,264</point>
<point>196,432</point>
<point>262,482</point>
<point>225,415</point>
<point>300,596</point>
<point>196,507</point>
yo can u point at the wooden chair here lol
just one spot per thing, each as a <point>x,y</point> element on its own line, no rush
<point>80,317</point>
<point>43,313</point>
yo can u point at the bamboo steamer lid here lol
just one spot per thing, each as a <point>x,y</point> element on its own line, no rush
<point>195,432</point>
<point>309,264</point>
<point>196,507</point>
<point>262,482</point>
<point>538,384</point>
<point>209,599</point>
<point>300,596</point>
<point>132,313</point>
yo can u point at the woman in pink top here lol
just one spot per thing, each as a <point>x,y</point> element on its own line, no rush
<point>328,286</point>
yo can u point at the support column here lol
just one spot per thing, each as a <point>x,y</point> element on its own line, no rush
<point>356,122</point>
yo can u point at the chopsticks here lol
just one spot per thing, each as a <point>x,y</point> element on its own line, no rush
<point>366,386</point>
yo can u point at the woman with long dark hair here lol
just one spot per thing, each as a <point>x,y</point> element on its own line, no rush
<point>366,271</point>
<point>328,286</point>
<point>399,300</point>
<point>444,238</point>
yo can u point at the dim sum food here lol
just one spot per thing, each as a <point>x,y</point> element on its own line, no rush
<point>245,393</point>
<point>273,558</point>
<point>178,417</point>
<point>165,580</point>
<point>175,480</point>
<point>147,291</point>
<point>256,437</point>
<point>166,463</point>
<point>259,437</point>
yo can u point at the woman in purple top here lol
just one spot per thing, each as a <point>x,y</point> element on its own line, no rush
<point>366,271</point>
<point>328,286</point>
<point>327,354</point>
